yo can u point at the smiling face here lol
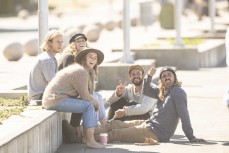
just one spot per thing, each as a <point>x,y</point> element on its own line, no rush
<point>91,60</point>
<point>136,77</point>
<point>167,79</point>
<point>80,44</point>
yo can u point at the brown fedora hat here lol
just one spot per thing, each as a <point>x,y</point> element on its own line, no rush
<point>99,53</point>
<point>136,66</point>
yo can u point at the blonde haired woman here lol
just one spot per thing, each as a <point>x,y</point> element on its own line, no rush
<point>46,66</point>
<point>76,44</point>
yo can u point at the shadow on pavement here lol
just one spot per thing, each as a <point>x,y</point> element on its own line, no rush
<point>72,148</point>
<point>226,144</point>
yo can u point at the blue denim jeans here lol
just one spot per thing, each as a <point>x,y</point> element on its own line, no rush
<point>76,105</point>
<point>101,114</point>
<point>102,111</point>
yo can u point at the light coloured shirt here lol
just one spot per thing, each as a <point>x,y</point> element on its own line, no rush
<point>145,103</point>
<point>43,71</point>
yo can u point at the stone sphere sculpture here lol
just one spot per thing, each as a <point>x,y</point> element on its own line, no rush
<point>120,22</point>
<point>134,22</point>
<point>23,14</point>
<point>92,32</point>
<point>31,47</point>
<point>110,25</point>
<point>72,31</point>
<point>81,27</point>
<point>99,25</point>
<point>13,51</point>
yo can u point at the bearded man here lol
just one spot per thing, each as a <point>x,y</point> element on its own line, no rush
<point>128,101</point>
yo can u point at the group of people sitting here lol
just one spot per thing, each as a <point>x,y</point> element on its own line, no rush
<point>138,112</point>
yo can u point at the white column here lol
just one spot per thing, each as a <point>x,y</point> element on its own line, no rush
<point>227,46</point>
<point>127,58</point>
<point>178,15</point>
<point>212,13</point>
<point>43,13</point>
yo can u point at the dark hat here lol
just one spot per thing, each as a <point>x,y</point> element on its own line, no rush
<point>167,68</point>
<point>136,66</point>
<point>99,53</point>
<point>76,36</point>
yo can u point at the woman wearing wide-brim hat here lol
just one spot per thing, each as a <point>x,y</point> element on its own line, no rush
<point>93,75</point>
<point>80,55</point>
<point>77,80</point>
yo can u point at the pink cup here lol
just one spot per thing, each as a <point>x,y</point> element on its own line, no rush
<point>103,138</point>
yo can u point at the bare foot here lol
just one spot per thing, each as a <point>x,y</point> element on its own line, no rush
<point>153,142</point>
<point>95,145</point>
<point>148,141</point>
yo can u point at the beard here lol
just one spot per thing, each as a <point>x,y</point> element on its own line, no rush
<point>136,82</point>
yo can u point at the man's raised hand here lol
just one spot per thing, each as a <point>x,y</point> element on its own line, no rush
<point>120,88</point>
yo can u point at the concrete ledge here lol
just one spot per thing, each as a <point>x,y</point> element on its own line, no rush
<point>115,57</point>
<point>110,73</point>
<point>211,53</point>
<point>35,131</point>
<point>13,94</point>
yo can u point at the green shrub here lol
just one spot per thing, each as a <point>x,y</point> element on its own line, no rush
<point>12,7</point>
<point>166,16</point>
<point>171,41</point>
<point>10,107</point>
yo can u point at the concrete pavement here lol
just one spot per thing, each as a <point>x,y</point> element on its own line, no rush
<point>209,117</point>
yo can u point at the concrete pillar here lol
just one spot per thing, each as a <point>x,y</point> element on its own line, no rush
<point>127,58</point>
<point>43,13</point>
<point>178,16</point>
<point>212,12</point>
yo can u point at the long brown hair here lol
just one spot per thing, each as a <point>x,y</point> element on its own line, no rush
<point>92,74</point>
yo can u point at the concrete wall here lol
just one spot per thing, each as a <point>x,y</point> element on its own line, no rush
<point>110,73</point>
<point>213,54</point>
<point>35,131</point>
<point>13,94</point>
<point>182,58</point>
<point>210,53</point>
<point>178,57</point>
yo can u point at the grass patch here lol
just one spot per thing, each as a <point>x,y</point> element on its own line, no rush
<point>10,107</point>
<point>171,41</point>
<point>187,41</point>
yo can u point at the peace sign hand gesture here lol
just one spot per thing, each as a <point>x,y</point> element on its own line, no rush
<point>120,88</point>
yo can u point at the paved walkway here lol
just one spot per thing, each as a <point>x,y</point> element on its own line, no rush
<point>209,117</point>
